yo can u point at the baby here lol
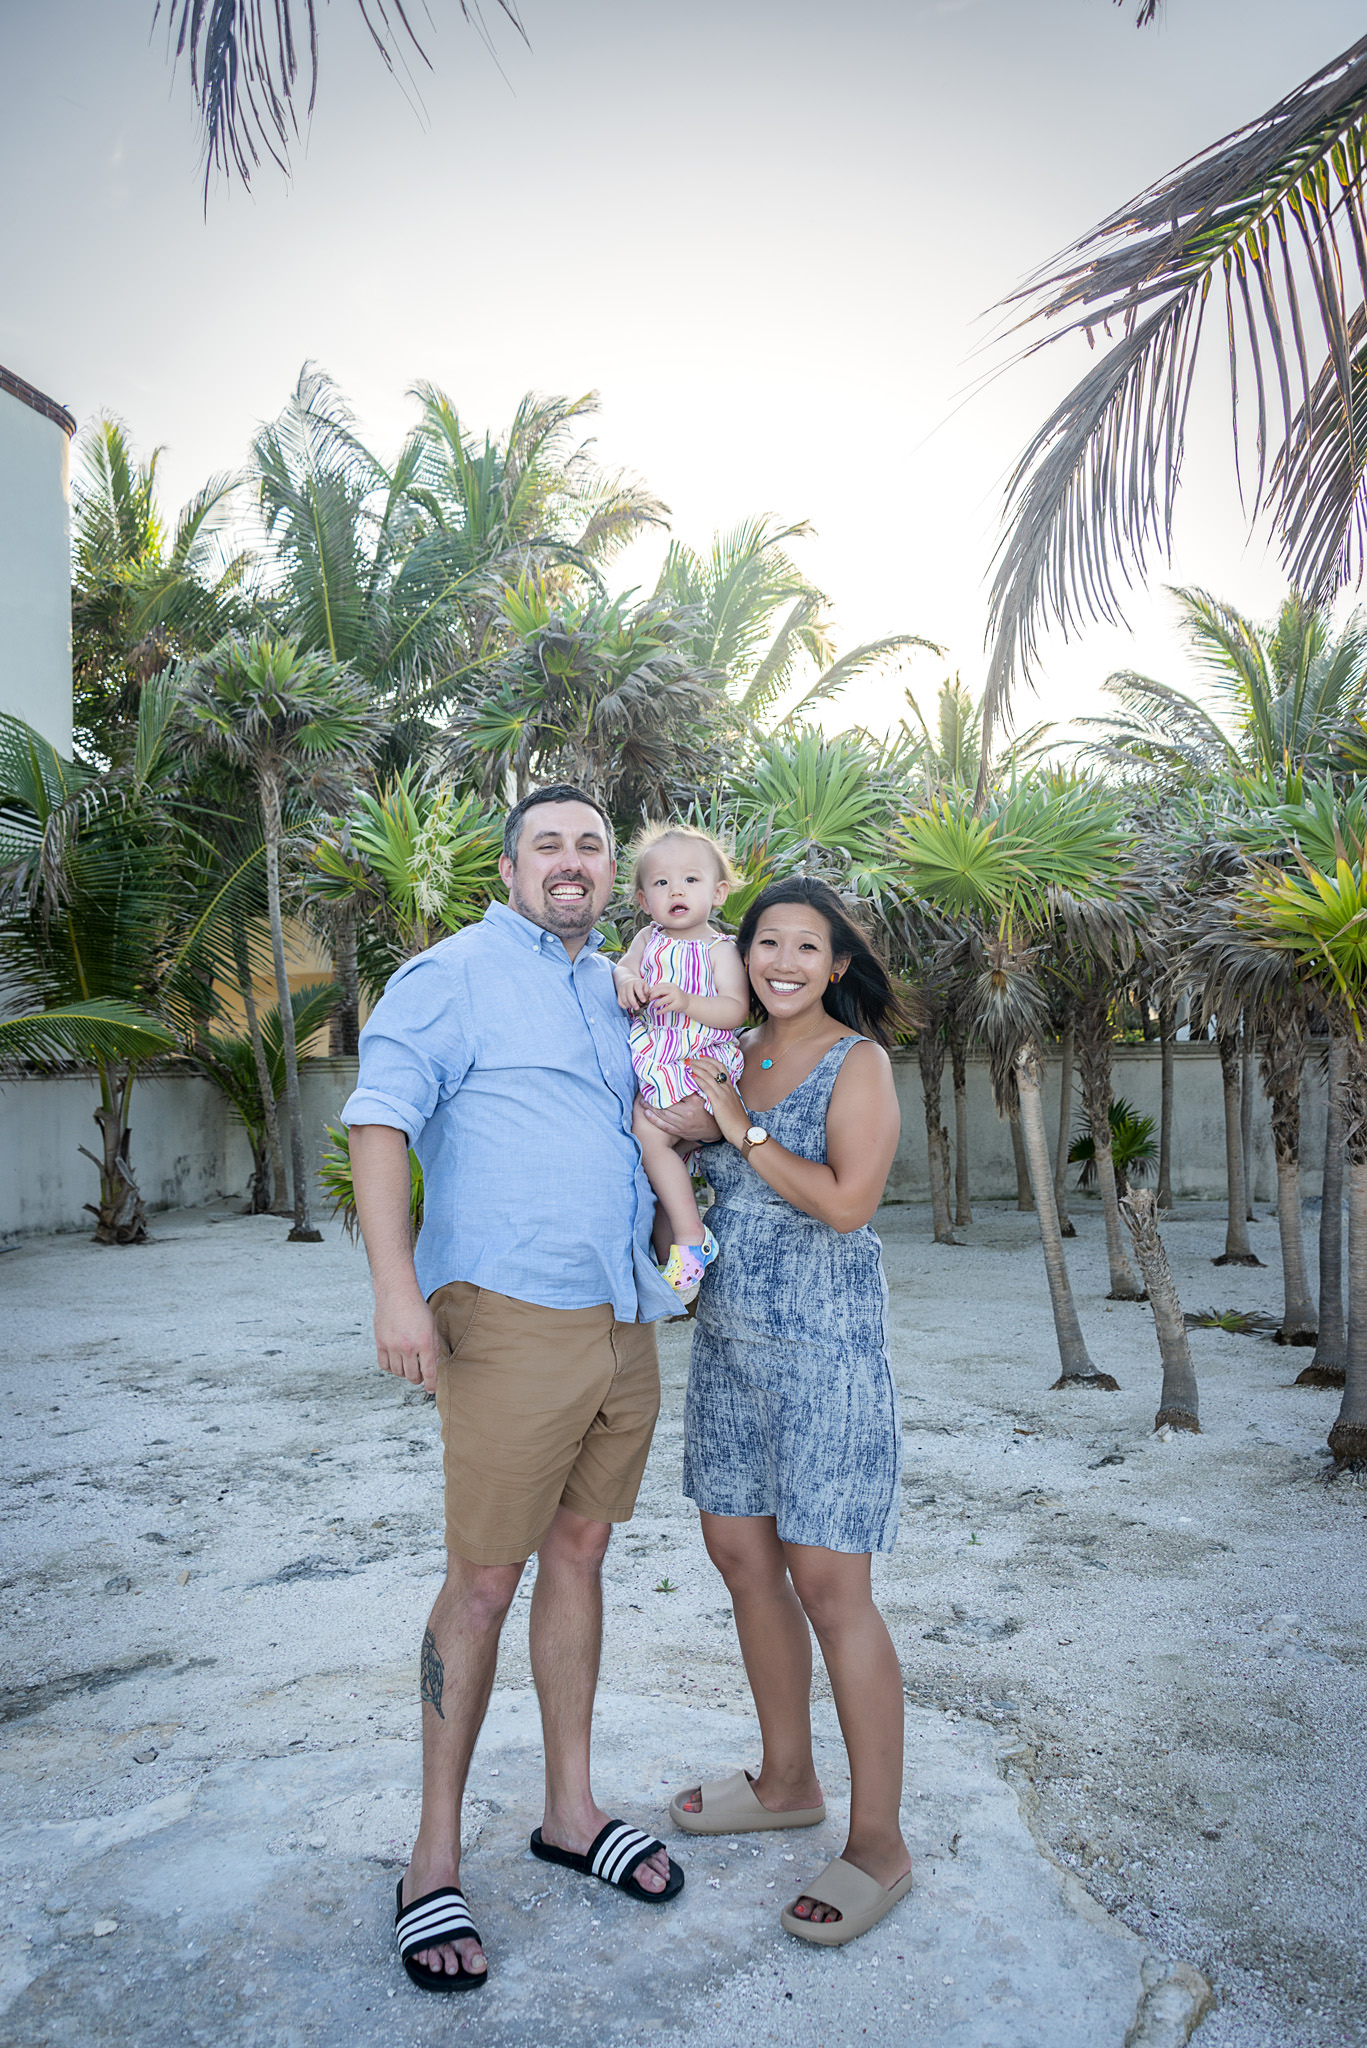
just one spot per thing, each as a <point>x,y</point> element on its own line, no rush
<point>686,984</point>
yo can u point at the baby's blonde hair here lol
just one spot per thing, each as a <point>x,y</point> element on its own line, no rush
<point>651,836</point>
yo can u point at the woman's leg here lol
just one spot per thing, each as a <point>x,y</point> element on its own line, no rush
<point>670,1178</point>
<point>866,1680</point>
<point>777,1649</point>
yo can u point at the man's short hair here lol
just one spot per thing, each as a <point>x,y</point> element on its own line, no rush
<point>553,793</point>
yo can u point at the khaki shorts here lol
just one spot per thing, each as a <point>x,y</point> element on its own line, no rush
<point>540,1407</point>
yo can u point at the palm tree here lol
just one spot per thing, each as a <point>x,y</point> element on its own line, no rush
<point>1318,915</point>
<point>532,502</point>
<point>928,951</point>
<point>115,916</point>
<point>1096,956</point>
<point>818,797</point>
<point>1063,1141</point>
<point>1282,699</point>
<point>1178,1406</point>
<point>142,596</point>
<point>411,864</point>
<point>290,721</point>
<point>231,1064</point>
<point>755,619</point>
<point>1096,487</point>
<point>1008,864</point>
<point>1326,1368</point>
<point>601,693</point>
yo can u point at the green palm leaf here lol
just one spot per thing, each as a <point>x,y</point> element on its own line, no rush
<point>83,1031</point>
<point>1248,219</point>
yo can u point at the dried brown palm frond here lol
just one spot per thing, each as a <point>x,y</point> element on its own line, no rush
<point>244,64</point>
<point>1272,218</point>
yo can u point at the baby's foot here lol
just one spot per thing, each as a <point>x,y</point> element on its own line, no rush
<point>686,1264</point>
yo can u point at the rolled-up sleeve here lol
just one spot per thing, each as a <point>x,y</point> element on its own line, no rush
<point>415,1047</point>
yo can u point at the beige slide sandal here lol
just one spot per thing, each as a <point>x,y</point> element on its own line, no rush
<point>858,1898</point>
<point>729,1807</point>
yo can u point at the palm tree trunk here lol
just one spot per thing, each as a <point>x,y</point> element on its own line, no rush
<point>1065,1128</point>
<point>344,1030</point>
<point>272,1197</point>
<point>1078,1370</point>
<point>1024,1198</point>
<point>303,1231</point>
<point>958,1054</point>
<point>1246,1113</point>
<point>1326,1368</point>
<point>1177,1403</point>
<point>120,1217</point>
<point>1283,1068</point>
<point>1348,1437</point>
<point>1238,1251</point>
<point>1094,1062</point>
<point>1167,1031</point>
<point>930,1053</point>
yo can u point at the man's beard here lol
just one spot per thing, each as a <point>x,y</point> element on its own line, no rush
<point>561,918</point>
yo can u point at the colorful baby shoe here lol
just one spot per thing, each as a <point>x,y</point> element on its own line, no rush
<point>686,1264</point>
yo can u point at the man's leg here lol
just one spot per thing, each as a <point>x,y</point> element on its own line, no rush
<point>459,1657</point>
<point>566,1628</point>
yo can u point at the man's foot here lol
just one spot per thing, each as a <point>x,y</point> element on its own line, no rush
<point>800,1797</point>
<point>886,1869</point>
<point>652,1873</point>
<point>449,1959</point>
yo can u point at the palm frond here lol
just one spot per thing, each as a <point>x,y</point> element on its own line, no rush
<point>870,654</point>
<point>82,1031</point>
<point>1246,219</point>
<point>244,67</point>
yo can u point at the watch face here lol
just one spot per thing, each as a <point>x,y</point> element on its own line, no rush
<point>756,1135</point>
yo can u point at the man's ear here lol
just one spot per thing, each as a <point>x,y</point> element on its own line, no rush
<point>507,869</point>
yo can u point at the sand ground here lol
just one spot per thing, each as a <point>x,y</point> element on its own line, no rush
<point>1138,1661</point>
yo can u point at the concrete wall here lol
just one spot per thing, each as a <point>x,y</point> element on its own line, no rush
<point>1198,1125</point>
<point>186,1146</point>
<point>35,564</point>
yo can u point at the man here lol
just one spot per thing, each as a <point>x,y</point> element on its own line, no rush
<point>502,1055</point>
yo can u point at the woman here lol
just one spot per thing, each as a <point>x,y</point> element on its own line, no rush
<point>792,1437</point>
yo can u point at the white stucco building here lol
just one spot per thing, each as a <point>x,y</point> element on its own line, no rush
<point>35,559</point>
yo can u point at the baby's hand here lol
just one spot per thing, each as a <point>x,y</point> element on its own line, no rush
<point>632,992</point>
<point>667,995</point>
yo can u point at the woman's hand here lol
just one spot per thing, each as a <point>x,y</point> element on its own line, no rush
<point>719,1093</point>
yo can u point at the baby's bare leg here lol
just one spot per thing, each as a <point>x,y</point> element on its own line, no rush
<point>670,1179</point>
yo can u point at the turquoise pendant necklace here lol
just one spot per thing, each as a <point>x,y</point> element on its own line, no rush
<point>766,1064</point>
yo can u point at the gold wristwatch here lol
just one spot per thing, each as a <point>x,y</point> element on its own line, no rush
<point>756,1135</point>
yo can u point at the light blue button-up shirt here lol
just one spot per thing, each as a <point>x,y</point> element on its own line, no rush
<point>507,1065</point>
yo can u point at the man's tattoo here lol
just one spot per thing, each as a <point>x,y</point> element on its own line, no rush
<point>433,1673</point>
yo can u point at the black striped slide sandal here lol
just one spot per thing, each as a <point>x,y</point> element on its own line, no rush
<point>615,1856</point>
<point>431,1921</point>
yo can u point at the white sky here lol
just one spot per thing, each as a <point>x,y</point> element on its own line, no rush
<point>765,230</point>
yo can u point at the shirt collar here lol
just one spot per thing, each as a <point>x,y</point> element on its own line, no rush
<point>534,936</point>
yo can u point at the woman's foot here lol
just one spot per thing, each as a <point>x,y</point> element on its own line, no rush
<point>794,1795</point>
<point>886,1866</point>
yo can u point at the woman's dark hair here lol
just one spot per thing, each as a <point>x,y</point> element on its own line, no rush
<point>864,998</point>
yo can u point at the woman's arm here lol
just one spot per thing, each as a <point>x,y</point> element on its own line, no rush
<point>863,1124</point>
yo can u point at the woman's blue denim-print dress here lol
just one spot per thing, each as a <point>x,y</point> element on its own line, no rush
<point>791,1407</point>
